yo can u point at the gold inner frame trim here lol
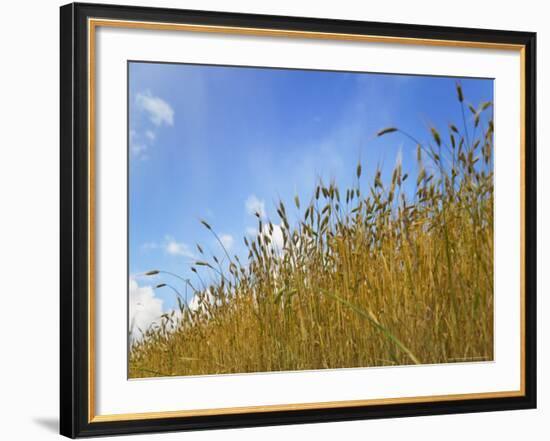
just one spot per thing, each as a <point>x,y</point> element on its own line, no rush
<point>299,406</point>
<point>92,26</point>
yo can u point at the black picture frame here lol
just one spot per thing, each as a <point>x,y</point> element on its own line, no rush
<point>74,324</point>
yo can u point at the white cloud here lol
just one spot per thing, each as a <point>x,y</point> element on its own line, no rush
<point>276,236</point>
<point>145,309</point>
<point>138,149</point>
<point>197,304</point>
<point>170,246</point>
<point>149,246</point>
<point>159,110</point>
<point>174,248</point>
<point>137,146</point>
<point>227,240</point>
<point>254,205</point>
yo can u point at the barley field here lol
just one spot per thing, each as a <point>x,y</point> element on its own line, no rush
<point>394,271</point>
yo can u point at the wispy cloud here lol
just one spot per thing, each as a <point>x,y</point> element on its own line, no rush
<point>159,111</point>
<point>138,146</point>
<point>227,240</point>
<point>170,246</point>
<point>174,248</point>
<point>254,205</point>
<point>149,246</point>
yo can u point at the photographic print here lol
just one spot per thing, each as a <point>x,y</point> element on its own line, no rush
<point>288,219</point>
<point>275,220</point>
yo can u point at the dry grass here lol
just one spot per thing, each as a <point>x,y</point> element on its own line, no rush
<point>398,273</point>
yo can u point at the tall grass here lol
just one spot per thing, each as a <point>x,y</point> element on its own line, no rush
<point>397,273</point>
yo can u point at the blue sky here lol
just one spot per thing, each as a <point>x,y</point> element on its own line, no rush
<point>217,143</point>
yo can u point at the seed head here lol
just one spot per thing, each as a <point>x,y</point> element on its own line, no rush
<point>459,92</point>
<point>436,136</point>
<point>485,105</point>
<point>386,130</point>
<point>206,224</point>
<point>152,273</point>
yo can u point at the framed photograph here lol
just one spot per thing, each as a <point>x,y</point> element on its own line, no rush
<point>272,220</point>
